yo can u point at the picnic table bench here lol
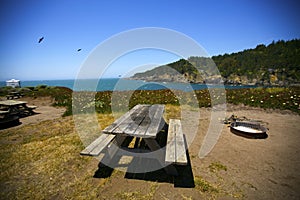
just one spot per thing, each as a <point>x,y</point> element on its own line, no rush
<point>5,121</point>
<point>175,148</point>
<point>143,121</point>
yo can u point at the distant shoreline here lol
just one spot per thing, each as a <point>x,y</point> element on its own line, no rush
<point>126,84</point>
<point>123,84</point>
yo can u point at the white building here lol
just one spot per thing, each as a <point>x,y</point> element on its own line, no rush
<point>13,83</point>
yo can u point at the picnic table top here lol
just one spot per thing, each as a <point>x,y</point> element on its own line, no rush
<point>12,103</point>
<point>143,121</point>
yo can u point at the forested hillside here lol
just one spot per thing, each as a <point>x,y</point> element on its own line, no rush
<point>277,63</point>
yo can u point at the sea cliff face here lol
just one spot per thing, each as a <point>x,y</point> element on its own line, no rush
<point>179,78</point>
<point>216,79</point>
<point>161,78</point>
<point>181,71</point>
<point>159,75</point>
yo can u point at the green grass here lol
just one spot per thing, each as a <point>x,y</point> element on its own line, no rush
<point>204,186</point>
<point>216,167</point>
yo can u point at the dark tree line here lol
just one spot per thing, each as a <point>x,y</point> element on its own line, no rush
<point>280,60</point>
<point>276,63</point>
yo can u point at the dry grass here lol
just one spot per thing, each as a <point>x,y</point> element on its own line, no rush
<point>172,112</point>
<point>220,184</point>
<point>137,195</point>
<point>42,161</point>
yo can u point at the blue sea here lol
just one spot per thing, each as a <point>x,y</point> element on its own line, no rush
<point>116,84</point>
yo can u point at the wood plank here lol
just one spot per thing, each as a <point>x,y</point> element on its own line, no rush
<point>181,158</point>
<point>115,124</point>
<point>170,147</point>
<point>143,127</point>
<point>156,120</point>
<point>175,148</point>
<point>31,107</point>
<point>115,145</point>
<point>129,126</point>
<point>132,119</point>
<point>2,112</point>
<point>12,103</point>
<point>97,145</point>
<point>104,143</point>
<point>90,147</point>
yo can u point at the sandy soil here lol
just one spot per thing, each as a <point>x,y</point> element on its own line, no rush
<point>44,110</point>
<point>255,168</point>
<point>260,168</point>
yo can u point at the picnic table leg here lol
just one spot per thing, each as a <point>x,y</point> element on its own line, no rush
<point>13,110</point>
<point>110,157</point>
<point>30,111</point>
<point>153,145</point>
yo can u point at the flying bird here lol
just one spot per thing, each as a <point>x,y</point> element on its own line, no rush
<point>41,39</point>
<point>78,49</point>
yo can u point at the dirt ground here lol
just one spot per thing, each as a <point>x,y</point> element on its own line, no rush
<point>239,167</point>
<point>261,168</point>
<point>44,110</point>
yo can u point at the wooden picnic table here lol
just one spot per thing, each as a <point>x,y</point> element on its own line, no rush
<point>14,107</point>
<point>13,95</point>
<point>143,121</point>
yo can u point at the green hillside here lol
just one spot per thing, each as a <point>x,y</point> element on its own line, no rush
<point>179,71</point>
<point>277,64</point>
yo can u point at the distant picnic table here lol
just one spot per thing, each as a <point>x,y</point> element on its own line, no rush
<point>14,95</point>
<point>15,108</point>
<point>143,122</point>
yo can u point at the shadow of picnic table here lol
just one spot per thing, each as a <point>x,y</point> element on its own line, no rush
<point>185,178</point>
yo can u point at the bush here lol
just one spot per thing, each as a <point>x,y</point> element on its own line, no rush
<point>41,87</point>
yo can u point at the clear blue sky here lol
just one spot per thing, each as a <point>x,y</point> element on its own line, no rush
<point>219,26</point>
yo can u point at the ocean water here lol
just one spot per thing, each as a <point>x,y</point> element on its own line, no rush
<point>115,84</point>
